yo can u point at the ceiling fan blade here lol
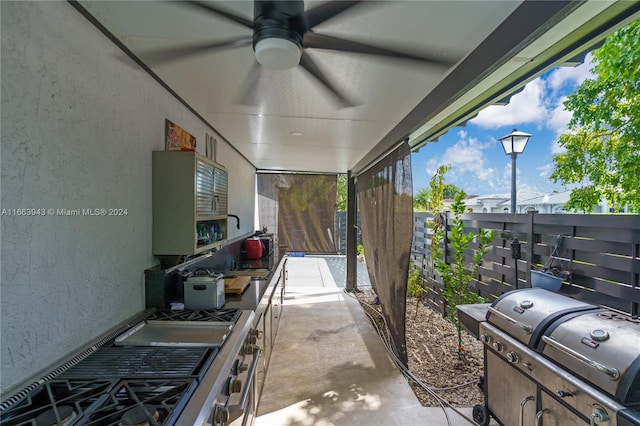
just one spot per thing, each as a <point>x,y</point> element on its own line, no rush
<point>212,7</point>
<point>250,94</point>
<point>319,14</point>
<point>158,56</point>
<point>309,64</point>
<point>320,41</point>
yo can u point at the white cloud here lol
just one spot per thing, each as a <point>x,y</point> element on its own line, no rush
<point>559,118</point>
<point>469,168</point>
<point>545,170</point>
<point>540,102</point>
<point>562,77</point>
<point>525,188</point>
<point>556,148</point>
<point>472,171</point>
<point>524,107</point>
<point>506,171</point>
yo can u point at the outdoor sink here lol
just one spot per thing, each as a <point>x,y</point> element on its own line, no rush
<point>261,272</point>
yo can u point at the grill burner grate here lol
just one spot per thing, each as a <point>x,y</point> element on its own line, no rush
<point>64,415</point>
<point>132,362</point>
<point>221,315</point>
<point>119,385</point>
<point>102,402</point>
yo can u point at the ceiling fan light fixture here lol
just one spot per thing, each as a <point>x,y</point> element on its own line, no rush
<point>277,53</point>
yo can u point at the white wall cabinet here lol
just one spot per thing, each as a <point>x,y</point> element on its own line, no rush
<point>189,203</point>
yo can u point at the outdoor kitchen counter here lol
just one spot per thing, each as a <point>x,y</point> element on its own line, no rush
<point>250,298</point>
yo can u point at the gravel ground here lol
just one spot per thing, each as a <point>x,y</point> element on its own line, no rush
<point>433,356</point>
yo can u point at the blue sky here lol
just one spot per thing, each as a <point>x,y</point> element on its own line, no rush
<point>479,164</point>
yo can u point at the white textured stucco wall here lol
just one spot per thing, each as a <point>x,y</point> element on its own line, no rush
<point>79,121</point>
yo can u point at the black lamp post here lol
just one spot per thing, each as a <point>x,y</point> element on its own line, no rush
<point>514,144</point>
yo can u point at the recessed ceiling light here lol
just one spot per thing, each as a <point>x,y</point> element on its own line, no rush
<point>296,133</point>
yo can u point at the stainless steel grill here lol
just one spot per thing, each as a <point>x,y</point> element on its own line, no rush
<point>553,360</point>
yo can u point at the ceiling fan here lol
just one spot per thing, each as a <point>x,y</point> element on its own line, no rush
<point>282,32</point>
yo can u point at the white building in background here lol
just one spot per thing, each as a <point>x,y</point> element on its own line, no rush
<point>490,203</point>
<point>545,204</point>
<point>548,203</point>
<point>554,203</point>
<point>496,203</point>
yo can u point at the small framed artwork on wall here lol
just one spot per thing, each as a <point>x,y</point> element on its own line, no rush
<point>178,139</point>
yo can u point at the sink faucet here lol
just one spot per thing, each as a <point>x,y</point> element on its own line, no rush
<point>237,218</point>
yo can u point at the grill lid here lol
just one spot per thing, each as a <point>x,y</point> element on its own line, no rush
<point>602,347</point>
<point>526,313</point>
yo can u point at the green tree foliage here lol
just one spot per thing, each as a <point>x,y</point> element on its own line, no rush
<point>451,191</point>
<point>422,200</point>
<point>603,142</point>
<point>341,197</point>
<point>456,275</point>
<point>437,186</point>
<point>414,283</point>
<point>299,198</point>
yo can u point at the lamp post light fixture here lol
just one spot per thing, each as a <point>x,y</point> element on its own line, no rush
<point>514,144</point>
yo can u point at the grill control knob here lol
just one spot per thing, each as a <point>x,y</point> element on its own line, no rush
<point>242,367</point>
<point>236,386</point>
<point>220,415</point>
<point>564,393</point>
<point>486,338</point>
<point>498,346</point>
<point>512,357</point>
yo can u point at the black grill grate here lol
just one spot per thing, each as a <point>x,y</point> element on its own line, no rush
<point>222,315</point>
<point>101,402</point>
<point>132,362</point>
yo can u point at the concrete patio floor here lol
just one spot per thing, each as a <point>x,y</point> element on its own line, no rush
<point>329,367</point>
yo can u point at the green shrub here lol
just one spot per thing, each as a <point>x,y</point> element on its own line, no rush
<point>414,283</point>
<point>457,275</point>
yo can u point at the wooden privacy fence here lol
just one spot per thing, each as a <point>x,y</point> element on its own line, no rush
<point>602,252</point>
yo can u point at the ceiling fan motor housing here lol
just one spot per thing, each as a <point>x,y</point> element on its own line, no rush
<point>277,36</point>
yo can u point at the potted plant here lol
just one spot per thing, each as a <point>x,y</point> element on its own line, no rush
<point>552,274</point>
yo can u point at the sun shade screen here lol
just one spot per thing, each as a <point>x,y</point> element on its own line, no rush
<point>299,209</point>
<point>386,211</point>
